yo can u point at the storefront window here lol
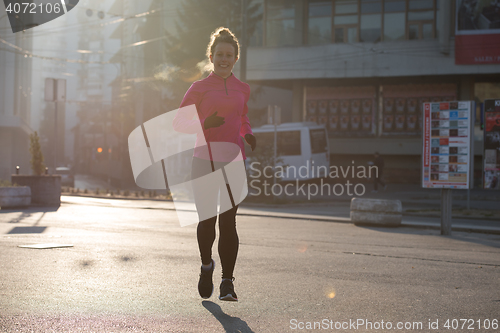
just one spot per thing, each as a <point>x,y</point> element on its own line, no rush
<point>320,22</point>
<point>280,25</point>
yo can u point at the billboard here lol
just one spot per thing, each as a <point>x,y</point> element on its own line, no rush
<point>477,32</point>
<point>447,156</point>
<point>491,144</point>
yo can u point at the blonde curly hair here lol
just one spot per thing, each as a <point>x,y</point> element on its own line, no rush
<point>222,35</point>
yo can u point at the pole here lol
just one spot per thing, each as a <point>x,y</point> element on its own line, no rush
<point>55,135</point>
<point>468,199</point>
<point>275,148</point>
<point>243,42</point>
<point>446,203</point>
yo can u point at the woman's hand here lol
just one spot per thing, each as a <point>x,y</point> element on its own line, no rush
<point>213,121</point>
<point>251,140</point>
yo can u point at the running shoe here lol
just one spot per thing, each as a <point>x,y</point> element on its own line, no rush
<point>205,285</point>
<point>227,291</point>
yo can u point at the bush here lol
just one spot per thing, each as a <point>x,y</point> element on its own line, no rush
<point>6,183</point>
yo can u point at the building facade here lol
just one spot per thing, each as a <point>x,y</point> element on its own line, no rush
<point>15,92</point>
<point>363,68</point>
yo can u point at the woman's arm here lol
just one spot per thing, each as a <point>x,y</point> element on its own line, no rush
<point>186,120</point>
<point>245,122</point>
<point>246,129</point>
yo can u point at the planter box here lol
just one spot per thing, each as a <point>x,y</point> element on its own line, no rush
<point>45,190</point>
<point>15,196</point>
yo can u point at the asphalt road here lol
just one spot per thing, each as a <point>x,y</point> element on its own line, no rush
<point>134,269</point>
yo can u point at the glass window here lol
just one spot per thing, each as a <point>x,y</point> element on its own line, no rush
<point>427,31</point>
<point>280,25</point>
<point>346,6</point>
<point>394,26</point>
<point>345,19</point>
<point>320,23</point>
<point>280,32</point>
<point>323,8</point>
<point>421,16</point>
<point>371,6</point>
<point>318,141</point>
<point>320,30</point>
<point>394,6</point>
<point>257,36</point>
<point>289,143</point>
<point>421,4</point>
<point>339,35</point>
<point>370,28</point>
<point>352,35</point>
<point>438,19</point>
<point>413,31</point>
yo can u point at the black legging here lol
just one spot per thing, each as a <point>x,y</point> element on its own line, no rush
<point>228,239</point>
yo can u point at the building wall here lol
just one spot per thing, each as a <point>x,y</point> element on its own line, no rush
<point>15,106</point>
<point>301,66</point>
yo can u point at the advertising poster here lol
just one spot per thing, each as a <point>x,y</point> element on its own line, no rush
<point>323,107</point>
<point>311,107</point>
<point>345,111</point>
<point>477,32</point>
<point>334,122</point>
<point>491,144</point>
<point>447,157</point>
<point>401,106</point>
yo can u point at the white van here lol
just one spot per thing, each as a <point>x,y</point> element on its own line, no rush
<point>303,147</point>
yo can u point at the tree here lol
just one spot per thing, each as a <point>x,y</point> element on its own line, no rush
<point>186,49</point>
<point>37,165</point>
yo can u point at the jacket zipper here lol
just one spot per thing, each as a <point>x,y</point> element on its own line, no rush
<point>225,86</point>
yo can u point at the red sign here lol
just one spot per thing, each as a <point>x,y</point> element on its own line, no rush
<point>427,129</point>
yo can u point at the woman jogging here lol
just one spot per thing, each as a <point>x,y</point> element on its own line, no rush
<point>221,103</point>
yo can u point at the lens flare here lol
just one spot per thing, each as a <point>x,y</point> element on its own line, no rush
<point>302,248</point>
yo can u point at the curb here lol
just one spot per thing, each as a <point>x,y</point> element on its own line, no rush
<point>466,228</point>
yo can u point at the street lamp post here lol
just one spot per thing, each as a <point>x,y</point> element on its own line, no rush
<point>55,91</point>
<point>243,42</point>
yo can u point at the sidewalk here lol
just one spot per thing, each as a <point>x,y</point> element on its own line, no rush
<point>337,211</point>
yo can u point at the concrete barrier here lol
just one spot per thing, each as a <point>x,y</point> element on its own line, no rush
<point>15,196</point>
<point>376,212</point>
<point>45,190</point>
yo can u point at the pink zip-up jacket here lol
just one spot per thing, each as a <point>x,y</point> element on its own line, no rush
<point>228,97</point>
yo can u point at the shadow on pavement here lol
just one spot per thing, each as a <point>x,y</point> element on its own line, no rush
<point>230,324</point>
<point>27,230</point>
<point>29,210</point>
